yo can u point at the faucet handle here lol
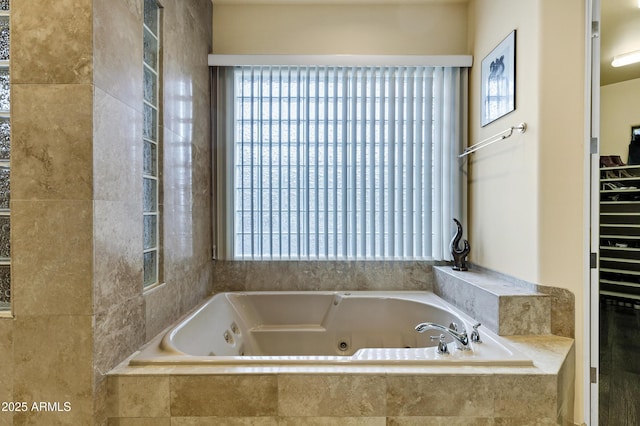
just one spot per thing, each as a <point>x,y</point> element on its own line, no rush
<point>442,345</point>
<point>475,336</point>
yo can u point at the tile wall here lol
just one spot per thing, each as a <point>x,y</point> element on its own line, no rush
<point>322,275</point>
<point>51,208</point>
<point>418,395</point>
<point>76,196</point>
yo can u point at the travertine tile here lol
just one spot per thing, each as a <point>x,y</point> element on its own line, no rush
<point>117,150</point>
<point>53,41</point>
<point>455,395</point>
<point>76,132</point>
<point>280,276</point>
<point>52,257</point>
<point>178,170</point>
<point>566,387</point>
<point>51,138</point>
<point>498,303</point>
<point>141,421</point>
<point>548,352</point>
<point>117,236</point>
<point>119,331</point>
<point>101,400</point>
<point>331,421</point>
<point>327,395</point>
<point>202,231</point>
<point>229,276</point>
<point>223,396</point>
<point>179,109</point>
<point>6,417</point>
<point>439,421</point>
<point>562,300</point>
<point>524,315</point>
<point>562,310</point>
<point>534,395</point>
<point>140,396</point>
<point>117,60</point>
<point>6,361</point>
<point>480,305</point>
<point>54,357</point>
<point>525,421</point>
<point>162,308</point>
<point>197,34</point>
<point>386,275</point>
<point>195,289</point>
<point>201,178</point>
<point>226,421</point>
<point>323,276</point>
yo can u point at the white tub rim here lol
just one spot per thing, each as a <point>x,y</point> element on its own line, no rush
<point>157,353</point>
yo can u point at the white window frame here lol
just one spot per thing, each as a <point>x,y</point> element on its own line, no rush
<point>152,176</point>
<point>224,157</point>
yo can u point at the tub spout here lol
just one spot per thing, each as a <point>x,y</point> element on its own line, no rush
<point>461,338</point>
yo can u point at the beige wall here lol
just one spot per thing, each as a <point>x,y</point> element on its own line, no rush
<point>76,188</point>
<point>563,143</point>
<point>503,199</point>
<point>526,193</point>
<point>618,112</point>
<point>426,29</point>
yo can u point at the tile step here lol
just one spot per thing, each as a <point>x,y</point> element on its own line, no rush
<point>500,305</point>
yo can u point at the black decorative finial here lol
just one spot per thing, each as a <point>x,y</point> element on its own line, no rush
<point>459,255</point>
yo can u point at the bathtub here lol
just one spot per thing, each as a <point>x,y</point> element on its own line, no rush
<point>292,328</point>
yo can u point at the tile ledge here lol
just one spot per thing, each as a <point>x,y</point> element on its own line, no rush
<point>490,282</point>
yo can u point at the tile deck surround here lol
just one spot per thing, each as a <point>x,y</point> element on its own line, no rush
<point>352,394</point>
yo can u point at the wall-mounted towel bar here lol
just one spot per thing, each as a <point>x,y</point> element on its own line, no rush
<point>521,128</point>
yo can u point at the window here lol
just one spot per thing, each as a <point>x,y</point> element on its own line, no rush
<point>151,140</point>
<point>5,150</point>
<point>340,162</point>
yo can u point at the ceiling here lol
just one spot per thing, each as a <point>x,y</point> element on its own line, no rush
<point>620,33</point>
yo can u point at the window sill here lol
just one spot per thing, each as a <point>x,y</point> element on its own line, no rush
<point>150,289</point>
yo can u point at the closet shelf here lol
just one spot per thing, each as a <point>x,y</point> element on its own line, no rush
<point>635,249</point>
<point>619,237</point>
<point>632,214</point>
<point>620,271</point>
<point>620,283</point>
<point>620,224</point>
<point>623,295</point>
<point>615,203</point>
<point>620,260</point>
<point>619,190</point>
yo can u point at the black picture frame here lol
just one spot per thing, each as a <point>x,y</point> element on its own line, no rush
<point>635,132</point>
<point>498,81</point>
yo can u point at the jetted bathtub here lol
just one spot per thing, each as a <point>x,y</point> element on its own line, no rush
<point>359,327</point>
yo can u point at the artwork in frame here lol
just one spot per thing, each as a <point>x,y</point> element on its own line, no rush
<point>498,79</point>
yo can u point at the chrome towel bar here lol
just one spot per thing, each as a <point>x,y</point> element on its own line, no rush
<point>521,128</point>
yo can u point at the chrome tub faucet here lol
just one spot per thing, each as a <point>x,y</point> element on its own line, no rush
<point>461,338</point>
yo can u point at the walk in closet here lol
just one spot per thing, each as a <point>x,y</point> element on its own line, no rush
<point>619,215</point>
<point>619,229</point>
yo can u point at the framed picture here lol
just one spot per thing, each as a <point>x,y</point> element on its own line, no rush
<point>498,79</point>
<point>635,132</point>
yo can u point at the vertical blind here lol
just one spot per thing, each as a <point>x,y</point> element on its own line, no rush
<point>339,162</point>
